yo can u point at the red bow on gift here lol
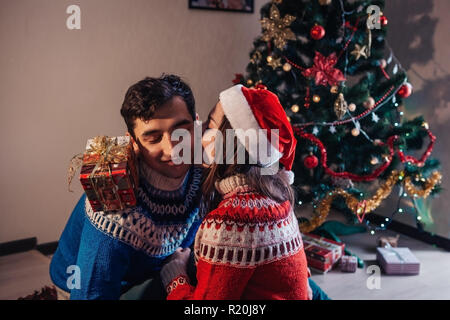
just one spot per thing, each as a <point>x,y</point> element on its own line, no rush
<point>323,70</point>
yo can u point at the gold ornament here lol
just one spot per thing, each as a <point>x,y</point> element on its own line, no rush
<point>374,161</point>
<point>340,106</point>
<point>287,67</point>
<point>359,51</point>
<point>324,2</point>
<point>274,63</point>
<point>295,108</point>
<point>316,98</point>
<point>276,28</point>
<point>355,132</point>
<point>256,57</point>
<point>249,82</point>
<point>352,107</point>
<point>334,89</point>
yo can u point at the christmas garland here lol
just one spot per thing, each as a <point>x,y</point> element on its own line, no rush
<point>377,172</point>
<point>361,208</point>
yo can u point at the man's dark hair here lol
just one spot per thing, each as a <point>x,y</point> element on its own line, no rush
<point>145,97</point>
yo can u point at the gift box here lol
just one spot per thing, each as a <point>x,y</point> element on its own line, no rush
<point>398,260</point>
<point>108,173</point>
<point>348,264</point>
<point>321,253</point>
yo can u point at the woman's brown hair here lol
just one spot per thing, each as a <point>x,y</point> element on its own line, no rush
<point>274,186</point>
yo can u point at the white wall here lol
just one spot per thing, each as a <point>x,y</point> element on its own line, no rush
<point>58,87</point>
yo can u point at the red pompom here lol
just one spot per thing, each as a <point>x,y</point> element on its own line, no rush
<point>405,90</point>
<point>383,21</point>
<point>311,161</point>
<point>317,32</point>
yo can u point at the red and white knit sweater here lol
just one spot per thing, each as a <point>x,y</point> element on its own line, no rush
<point>249,247</point>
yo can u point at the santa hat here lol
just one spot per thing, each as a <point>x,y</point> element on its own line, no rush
<point>260,109</point>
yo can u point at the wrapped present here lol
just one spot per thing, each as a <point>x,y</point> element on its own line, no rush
<point>321,253</point>
<point>398,260</point>
<point>109,174</point>
<point>348,263</point>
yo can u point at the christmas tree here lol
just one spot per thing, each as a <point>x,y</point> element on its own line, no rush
<point>343,91</point>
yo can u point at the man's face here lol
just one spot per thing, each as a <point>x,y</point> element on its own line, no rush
<point>153,137</point>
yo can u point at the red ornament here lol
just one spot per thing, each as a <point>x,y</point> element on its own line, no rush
<point>405,90</point>
<point>311,161</point>
<point>238,78</point>
<point>384,21</point>
<point>317,32</point>
<point>323,70</point>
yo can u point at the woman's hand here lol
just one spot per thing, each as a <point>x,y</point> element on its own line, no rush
<point>176,266</point>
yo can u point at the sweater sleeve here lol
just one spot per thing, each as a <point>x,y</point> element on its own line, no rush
<point>102,261</point>
<point>214,282</point>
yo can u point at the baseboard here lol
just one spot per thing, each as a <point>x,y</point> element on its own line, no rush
<point>17,246</point>
<point>412,232</point>
<point>47,248</point>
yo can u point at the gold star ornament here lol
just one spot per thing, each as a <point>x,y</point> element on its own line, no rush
<point>274,63</point>
<point>276,28</point>
<point>359,51</point>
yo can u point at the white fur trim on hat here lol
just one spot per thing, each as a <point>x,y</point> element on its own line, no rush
<point>238,112</point>
<point>289,175</point>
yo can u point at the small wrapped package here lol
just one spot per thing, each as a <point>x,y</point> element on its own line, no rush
<point>348,263</point>
<point>398,260</point>
<point>321,253</point>
<point>109,174</point>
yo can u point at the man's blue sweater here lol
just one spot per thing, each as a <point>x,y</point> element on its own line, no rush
<point>120,249</point>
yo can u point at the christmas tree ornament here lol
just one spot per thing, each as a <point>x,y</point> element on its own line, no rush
<point>355,132</point>
<point>340,106</point>
<point>369,103</point>
<point>332,129</point>
<point>316,98</point>
<point>384,21</point>
<point>311,161</point>
<point>269,59</point>
<point>351,107</point>
<point>256,57</point>
<point>405,90</point>
<point>359,51</point>
<point>287,67</point>
<point>238,78</point>
<point>374,161</point>
<point>375,118</point>
<point>295,108</point>
<point>334,89</point>
<point>317,32</point>
<point>249,82</point>
<point>276,28</point>
<point>289,118</point>
<point>274,63</point>
<point>323,70</point>
<point>324,2</point>
<point>425,125</point>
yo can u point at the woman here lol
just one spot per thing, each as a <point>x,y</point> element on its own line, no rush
<point>249,246</point>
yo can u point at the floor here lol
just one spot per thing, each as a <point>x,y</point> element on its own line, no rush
<point>22,273</point>
<point>433,282</point>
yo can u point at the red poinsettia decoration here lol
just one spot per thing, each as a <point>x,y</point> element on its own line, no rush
<point>323,70</point>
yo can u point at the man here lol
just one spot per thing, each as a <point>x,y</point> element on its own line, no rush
<point>107,253</point>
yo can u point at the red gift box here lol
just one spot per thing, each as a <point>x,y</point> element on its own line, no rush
<point>109,175</point>
<point>321,253</point>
